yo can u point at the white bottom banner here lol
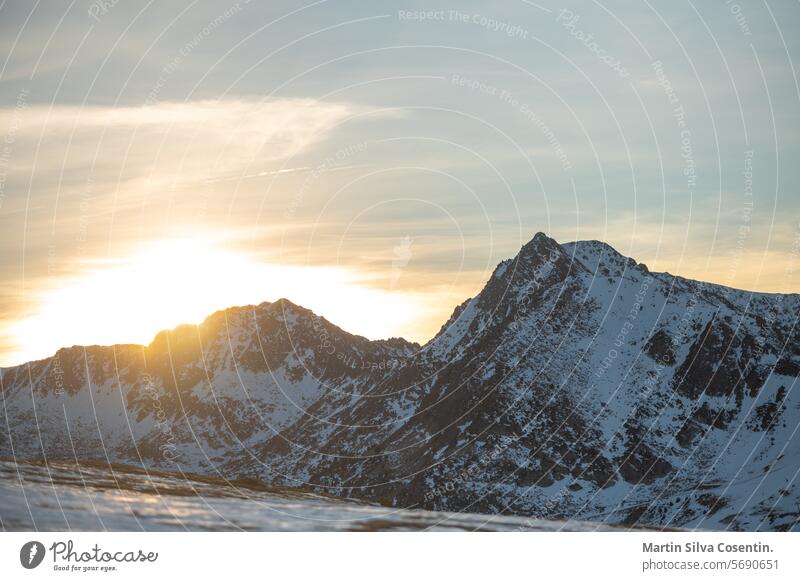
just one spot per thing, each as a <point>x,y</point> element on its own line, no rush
<point>388,556</point>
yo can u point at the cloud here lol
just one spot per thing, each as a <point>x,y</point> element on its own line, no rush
<point>163,145</point>
<point>81,174</point>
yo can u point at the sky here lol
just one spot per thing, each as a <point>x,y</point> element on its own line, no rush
<point>374,161</point>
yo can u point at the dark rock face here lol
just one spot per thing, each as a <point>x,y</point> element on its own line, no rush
<point>660,348</point>
<point>577,384</point>
<point>719,364</point>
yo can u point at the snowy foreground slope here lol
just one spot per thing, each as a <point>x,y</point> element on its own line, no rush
<point>576,385</point>
<point>65,496</point>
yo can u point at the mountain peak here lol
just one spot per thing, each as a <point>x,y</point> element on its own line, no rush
<point>537,260</point>
<point>540,243</point>
<point>601,258</point>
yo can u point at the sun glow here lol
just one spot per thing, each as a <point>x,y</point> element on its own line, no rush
<point>183,281</point>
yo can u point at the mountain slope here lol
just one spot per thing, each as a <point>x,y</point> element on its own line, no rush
<point>196,397</point>
<point>577,384</point>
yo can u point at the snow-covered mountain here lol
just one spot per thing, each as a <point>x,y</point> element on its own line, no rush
<point>576,385</point>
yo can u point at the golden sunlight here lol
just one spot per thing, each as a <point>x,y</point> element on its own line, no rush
<point>172,282</point>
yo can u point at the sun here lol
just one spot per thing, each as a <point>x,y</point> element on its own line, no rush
<point>171,282</point>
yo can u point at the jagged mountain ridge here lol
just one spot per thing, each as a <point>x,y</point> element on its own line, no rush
<point>204,393</point>
<point>577,384</point>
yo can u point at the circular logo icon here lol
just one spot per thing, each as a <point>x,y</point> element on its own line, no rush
<point>31,554</point>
